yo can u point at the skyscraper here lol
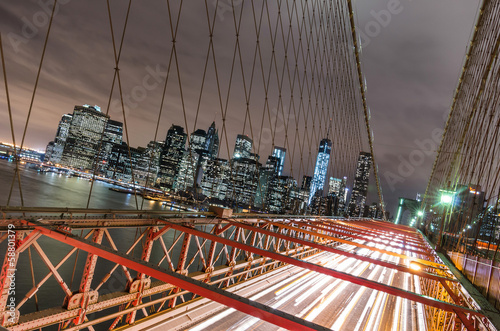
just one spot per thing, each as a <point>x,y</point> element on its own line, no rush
<point>337,189</point>
<point>243,180</point>
<point>215,179</point>
<point>113,135</point>
<point>267,173</point>
<point>280,153</point>
<point>84,135</point>
<point>212,141</point>
<point>242,147</point>
<point>360,187</point>
<point>170,157</point>
<point>334,186</point>
<point>60,140</point>
<point>190,162</point>
<point>319,177</point>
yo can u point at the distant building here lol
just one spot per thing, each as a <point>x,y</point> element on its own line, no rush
<point>242,147</point>
<point>337,191</point>
<point>489,229</point>
<point>243,180</point>
<point>303,195</point>
<point>334,186</point>
<point>214,183</point>
<point>48,151</point>
<point>374,212</point>
<point>280,154</point>
<point>150,160</point>
<point>190,163</point>
<point>321,168</point>
<point>120,165</point>
<point>56,151</point>
<point>84,135</point>
<point>171,155</point>
<point>360,187</point>
<point>266,174</point>
<point>306,183</point>
<point>212,141</point>
<point>281,195</point>
<point>112,135</point>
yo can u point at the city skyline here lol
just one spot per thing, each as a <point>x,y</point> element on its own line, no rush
<point>88,140</point>
<point>384,84</point>
<point>265,165</point>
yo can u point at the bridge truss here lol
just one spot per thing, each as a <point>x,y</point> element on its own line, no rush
<point>175,259</point>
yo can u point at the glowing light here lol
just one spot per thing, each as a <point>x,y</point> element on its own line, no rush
<point>446,198</point>
<point>420,213</point>
<point>415,266</point>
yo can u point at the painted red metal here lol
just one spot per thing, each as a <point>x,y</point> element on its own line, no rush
<point>342,252</point>
<point>242,304</point>
<point>334,230</point>
<point>388,241</point>
<point>383,251</point>
<point>337,274</point>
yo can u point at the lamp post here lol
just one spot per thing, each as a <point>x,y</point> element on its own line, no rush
<point>447,198</point>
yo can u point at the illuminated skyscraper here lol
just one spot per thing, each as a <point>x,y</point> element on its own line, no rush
<point>242,147</point>
<point>360,187</point>
<point>58,144</point>
<point>171,155</point>
<point>280,153</point>
<point>212,141</point>
<point>216,178</point>
<point>337,190</point>
<point>84,135</point>
<point>319,177</point>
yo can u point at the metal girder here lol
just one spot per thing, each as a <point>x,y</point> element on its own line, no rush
<point>330,272</point>
<point>463,318</point>
<point>384,235</point>
<point>330,230</point>
<point>7,276</point>
<point>107,301</point>
<point>383,251</point>
<point>242,304</point>
<point>88,270</point>
<point>344,253</point>
<point>181,265</point>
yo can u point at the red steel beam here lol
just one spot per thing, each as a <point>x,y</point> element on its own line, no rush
<point>375,232</point>
<point>330,272</point>
<point>376,227</point>
<point>344,253</point>
<point>389,227</point>
<point>384,251</point>
<point>353,236</point>
<point>463,318</point>
<point>211,292</point>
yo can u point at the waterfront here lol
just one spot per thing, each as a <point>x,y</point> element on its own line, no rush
<point>55,190</point>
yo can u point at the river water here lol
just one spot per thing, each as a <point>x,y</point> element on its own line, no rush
<point>53,190</point>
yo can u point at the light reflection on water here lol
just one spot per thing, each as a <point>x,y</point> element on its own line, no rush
<point>54,190</point>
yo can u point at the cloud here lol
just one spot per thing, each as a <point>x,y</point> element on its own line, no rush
<point>411,68</point>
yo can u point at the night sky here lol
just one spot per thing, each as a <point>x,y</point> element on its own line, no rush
<point>411,61</point>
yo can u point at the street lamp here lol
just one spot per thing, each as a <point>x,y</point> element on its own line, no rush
<point>447,198</point>
<point>420,213</point>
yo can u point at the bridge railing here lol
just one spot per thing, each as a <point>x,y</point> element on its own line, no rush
<point>115,271</point>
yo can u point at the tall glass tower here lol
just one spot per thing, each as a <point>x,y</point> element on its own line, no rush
<point>280,153</point>
<point>319,178</point>
<point>360,188</point>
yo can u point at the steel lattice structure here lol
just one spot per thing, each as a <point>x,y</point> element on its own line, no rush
<point>176,258</point>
